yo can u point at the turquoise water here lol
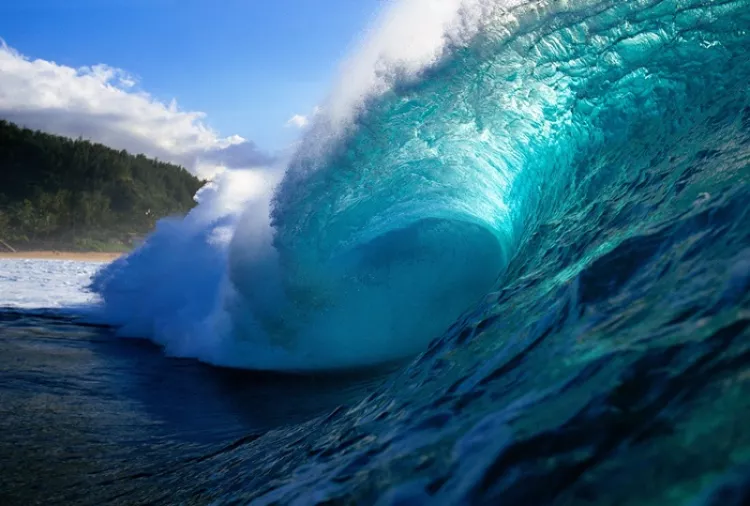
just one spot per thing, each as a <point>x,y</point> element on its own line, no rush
<point>551,119</point>
<point>546,227</point>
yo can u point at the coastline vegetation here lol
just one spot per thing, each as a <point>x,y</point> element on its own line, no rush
<point>67,194</point>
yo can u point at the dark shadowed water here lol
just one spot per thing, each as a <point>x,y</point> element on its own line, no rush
<point>89,419</point>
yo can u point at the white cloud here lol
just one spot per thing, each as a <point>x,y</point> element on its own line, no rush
<point>298,121</point>
<point>301,120</point>
<point>104,104</point>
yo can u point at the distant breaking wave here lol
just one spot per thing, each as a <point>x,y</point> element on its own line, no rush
<point>445,147</point>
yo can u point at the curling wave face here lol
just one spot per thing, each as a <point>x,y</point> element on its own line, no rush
<point>399,214</point>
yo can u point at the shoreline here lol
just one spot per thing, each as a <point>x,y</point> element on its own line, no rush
<point>78,256</point>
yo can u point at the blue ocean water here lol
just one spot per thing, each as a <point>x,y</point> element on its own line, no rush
<point>543,222</point>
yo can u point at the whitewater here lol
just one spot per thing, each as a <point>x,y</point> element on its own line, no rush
<point>527,219</point>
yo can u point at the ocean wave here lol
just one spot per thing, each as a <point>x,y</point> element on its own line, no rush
<point>439,161</point>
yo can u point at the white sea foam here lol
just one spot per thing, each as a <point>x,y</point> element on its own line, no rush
<point>34,284</point>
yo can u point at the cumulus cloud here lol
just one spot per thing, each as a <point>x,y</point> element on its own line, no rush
<point>104,104</point>
<point>298,121</point>
<point>301,120</point>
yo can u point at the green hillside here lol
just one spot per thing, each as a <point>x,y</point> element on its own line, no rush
<point>60,193</point>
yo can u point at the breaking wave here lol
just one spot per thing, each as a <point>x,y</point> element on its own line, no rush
<point>445,150</point>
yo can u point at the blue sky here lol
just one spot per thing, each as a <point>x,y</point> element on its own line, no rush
<point>248,64</point>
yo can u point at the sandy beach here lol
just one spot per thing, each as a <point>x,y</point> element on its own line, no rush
<point>91,256</point>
